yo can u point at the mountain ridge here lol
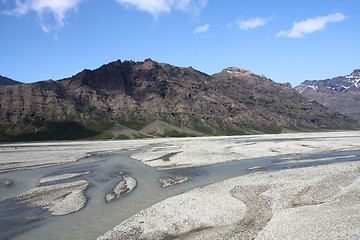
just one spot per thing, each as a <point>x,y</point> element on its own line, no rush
<point>341,94</point>
<point>149,99</point>
<point>8,81</point>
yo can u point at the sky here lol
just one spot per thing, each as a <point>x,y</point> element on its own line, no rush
<point>285,40</point>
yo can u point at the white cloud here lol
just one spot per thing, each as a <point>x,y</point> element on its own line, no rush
<point>311,25</point>
<point>156,7</point>
<point>251,23</point>
<point>56,8</point>
<point>202,29</point>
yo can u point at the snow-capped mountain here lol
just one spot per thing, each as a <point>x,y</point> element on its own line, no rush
<point>341,93</point>
<point>349,83</point>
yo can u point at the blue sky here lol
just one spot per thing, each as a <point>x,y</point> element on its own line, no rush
<point>285,40</point>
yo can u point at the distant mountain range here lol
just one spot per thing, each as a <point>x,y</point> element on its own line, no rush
<point>341,94</point>
<point>8,81</point>
<point>149,99</point>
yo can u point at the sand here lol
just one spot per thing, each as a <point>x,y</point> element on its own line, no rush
<point>320,202</point>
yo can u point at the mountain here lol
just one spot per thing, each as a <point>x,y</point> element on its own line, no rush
<point>149,99</point>
<point>8,81</point>
<point>342,94</point>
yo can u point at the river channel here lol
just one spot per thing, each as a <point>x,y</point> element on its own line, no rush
<point>17,221</point>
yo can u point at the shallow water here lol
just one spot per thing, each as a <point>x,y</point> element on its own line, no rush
<point>98,216</point>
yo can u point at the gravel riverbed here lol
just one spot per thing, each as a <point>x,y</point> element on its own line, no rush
<point>317,202</point>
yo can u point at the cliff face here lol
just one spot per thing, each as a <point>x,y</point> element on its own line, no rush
<point>341,94</point>
<point>145,99</point>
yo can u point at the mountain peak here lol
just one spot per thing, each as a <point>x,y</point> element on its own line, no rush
<point>237,71</point>
<point>356,72</point>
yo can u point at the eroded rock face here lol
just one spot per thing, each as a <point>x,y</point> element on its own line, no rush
<point>135,95</point>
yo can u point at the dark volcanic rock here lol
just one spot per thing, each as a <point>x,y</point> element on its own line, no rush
<point>138,99</point>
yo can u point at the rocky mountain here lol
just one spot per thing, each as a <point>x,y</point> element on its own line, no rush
<point>8,81</point>
<point>341,94</point>
<point>149,99</point>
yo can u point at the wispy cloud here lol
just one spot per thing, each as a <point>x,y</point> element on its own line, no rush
<point>202,29</point>
<point>56,8</point>
<point>251,23</point>
<point>157,7</point>
<point>300,29</point>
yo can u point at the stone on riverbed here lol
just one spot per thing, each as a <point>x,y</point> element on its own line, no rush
<point>6,183</point>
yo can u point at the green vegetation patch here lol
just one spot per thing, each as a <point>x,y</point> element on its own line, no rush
<point>51,131</point>
<point>200,127</point>
<point>122,136</point>
<point>268,129</point>
<point>140,135</point>
<point>133,122</point>
<point>99,123</point>
<point>96,126</point>
<point>224,129</point>
<point>174,133</point>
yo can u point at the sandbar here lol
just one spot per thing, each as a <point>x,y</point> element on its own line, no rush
<point>319,202</point>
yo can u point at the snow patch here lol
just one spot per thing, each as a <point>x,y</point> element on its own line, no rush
<point>314,87</point>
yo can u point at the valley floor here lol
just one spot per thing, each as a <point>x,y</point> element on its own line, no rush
<point>317,202</point>
<point>185,152</point>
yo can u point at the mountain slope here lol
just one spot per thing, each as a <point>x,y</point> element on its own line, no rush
<point>341,94</point>
<point>143,99</point>
<point>8,81</point>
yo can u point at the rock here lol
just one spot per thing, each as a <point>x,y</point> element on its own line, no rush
<point>6,183</point>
